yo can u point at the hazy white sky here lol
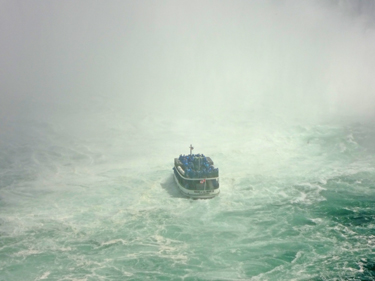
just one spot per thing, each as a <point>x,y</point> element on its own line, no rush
<point>136,56</point>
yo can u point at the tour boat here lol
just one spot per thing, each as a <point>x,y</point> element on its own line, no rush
<point>196,176</point>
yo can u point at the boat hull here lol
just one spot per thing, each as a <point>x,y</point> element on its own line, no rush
<point>193,193</point>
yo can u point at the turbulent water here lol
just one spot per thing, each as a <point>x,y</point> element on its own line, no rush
<point>97,99</point>
<point>296,202</point>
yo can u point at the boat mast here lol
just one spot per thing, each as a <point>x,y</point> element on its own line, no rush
<point>191,148</point>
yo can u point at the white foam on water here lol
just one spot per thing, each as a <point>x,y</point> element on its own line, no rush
<point>278,94</point>
<point>101,215</point>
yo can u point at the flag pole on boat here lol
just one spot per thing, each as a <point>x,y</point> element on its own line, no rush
<point>191,148</point>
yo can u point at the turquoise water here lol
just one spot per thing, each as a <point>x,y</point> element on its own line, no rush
<point>296,203</point>
<point>98,98</point>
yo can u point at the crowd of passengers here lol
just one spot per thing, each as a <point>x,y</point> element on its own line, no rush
<point>197,166</point>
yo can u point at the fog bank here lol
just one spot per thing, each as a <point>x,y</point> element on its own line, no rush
<point>269,59</point>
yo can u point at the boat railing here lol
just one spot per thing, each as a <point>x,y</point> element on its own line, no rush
<point>194,179</point>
